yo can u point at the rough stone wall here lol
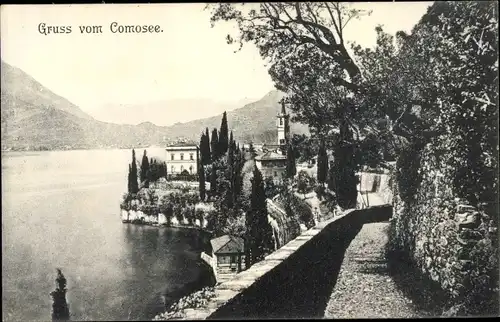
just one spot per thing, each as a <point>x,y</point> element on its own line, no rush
<point>450,242</point>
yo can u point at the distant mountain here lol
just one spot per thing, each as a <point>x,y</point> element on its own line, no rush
<point>254,122</point>
<point>161,111</point>
<point>35,118</point>
<point>20,89</point>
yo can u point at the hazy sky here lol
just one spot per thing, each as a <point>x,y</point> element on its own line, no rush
<point>187,60</point>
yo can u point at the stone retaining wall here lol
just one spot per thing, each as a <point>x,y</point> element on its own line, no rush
<point>451,243</point>
<point>296,280</point>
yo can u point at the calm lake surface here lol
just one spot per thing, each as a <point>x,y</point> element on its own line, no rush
<point>61,210</point>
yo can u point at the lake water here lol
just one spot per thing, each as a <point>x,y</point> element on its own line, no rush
<point>61,210</point>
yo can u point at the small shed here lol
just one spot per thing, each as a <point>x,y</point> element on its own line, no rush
<point>229,251</point>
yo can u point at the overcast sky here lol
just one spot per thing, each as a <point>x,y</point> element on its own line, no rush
<point>188,60</point>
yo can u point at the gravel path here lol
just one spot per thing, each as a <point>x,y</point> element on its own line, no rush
<point>364,288</point>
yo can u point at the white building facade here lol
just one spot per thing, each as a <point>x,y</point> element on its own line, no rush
<point>182,158</point>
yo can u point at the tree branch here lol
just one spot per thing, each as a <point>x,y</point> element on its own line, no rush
<point>339,33</point>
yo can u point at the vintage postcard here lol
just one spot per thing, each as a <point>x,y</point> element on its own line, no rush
<point>249,160</point>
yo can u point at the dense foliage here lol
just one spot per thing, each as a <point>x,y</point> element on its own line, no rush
<point>305,183</point>
<point>195,300</point>
<point>305,148</point>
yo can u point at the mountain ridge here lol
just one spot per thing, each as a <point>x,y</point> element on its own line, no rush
<point>35,118</point>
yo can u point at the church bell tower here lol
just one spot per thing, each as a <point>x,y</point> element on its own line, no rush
<point>283,125</point>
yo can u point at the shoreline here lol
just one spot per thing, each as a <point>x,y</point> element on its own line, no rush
<point>144,223</point>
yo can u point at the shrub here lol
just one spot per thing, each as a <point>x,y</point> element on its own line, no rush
<point>305,183</point>
<point>195,300</point>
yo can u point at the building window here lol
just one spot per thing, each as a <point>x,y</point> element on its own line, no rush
<point>172,157</point>
<point>191,169</point>
<point>282,141</point>
<point>172,169</point>
<point>182,157</point>
<point>182,167</point>
<point>191,156</point>
<point>281,121</point>
<point>275,173</point>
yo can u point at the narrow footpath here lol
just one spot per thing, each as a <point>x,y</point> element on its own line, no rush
<point>364,287</point>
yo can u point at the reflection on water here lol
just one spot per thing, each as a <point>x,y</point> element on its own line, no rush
<point>60,209</point>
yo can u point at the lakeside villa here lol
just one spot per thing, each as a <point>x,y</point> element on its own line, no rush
<point>182,158</point>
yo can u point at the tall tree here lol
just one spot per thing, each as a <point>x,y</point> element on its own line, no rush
<point>237,175</point>
<point>232,142</point>
<point>215,145</point>
<point>213,179</point>
<point>230,175</point>
<point>291,168</point>
<point>201,178</point>
<point>251,150</point>
<point>202,147</point>
<point>223,135</point>
<point>322,169</point>
<point>205,148</point>
<point>129,179</point>
<point>208,154</point>
<point>134,185</point>
<point>260,229</point>
<point>144,167</point>
<point>60,309</point>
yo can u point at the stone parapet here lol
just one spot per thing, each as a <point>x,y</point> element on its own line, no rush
<point>294,281</point>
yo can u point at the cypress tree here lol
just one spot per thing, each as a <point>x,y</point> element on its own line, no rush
<point>322,163</point>
<point>237,179</point>
<point>215,145</point>
<point>203,150</point>
<point>145,167</point>
<point>232,142</point>
<point>213,180</point>
<point>166,170</point>
<point>206,148</point>
<point>201,179</point>
<point>223,135</point>
<point>260,229</point>
<point>230,177</point>
<point>251,149</point>
<point>60,309</point>
<point>134,186</point>
<point>291,168</point>
<point>345,168</point>
<point>129,179</point>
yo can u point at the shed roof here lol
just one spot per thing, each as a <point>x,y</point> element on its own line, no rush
<point>227,244</point>
<point>182,144</point>
<point>270,156</point>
